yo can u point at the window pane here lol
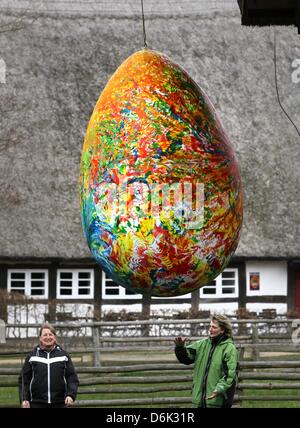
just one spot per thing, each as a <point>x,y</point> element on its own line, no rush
<point>228,282</point>
<point>66,275</point>
<point>129,291</point>
<point>82,275</point>
<point>37,284</point>
<point>65,292</point>
<point>65,283</point>
<point>230,274</point>
<point>37,275</point>
<point>17,284</point>
<point>112,292</point>
<point>18,275</point>
<point>228,290</point>
<point>111,284</point>
<point>209,290</point>
<point>84,291</point>
<point>18,291</point>
<point>83,283</point>
<point>37,292</point>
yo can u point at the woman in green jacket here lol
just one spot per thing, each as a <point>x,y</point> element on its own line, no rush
<point>215,362</point>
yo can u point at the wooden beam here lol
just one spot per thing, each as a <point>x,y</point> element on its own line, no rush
<point>268,12</point>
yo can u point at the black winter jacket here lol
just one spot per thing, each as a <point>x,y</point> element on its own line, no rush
<point>48,377</point>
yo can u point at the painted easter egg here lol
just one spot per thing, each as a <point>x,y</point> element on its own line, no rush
<point>161,194</point>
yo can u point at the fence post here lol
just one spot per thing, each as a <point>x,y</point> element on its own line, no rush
<point>96,343</point>
<point>2,332</point>
<point>146,307</point>
<point>255,350</point>
<point>241,350</point>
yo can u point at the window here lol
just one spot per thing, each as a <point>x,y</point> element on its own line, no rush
<point>225,285</point>
<point>75,283</point>
<point>111,290</point>
<point>31,283</point>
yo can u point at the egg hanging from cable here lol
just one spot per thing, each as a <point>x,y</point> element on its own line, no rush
<point>160,190</point>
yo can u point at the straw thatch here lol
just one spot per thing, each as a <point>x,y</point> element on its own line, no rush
<point>58,63</point>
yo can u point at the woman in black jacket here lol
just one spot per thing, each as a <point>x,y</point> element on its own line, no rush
<point>48,378</point>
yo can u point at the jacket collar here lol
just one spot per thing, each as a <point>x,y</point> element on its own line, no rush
<point>218,339</point>
<point>39,348</point>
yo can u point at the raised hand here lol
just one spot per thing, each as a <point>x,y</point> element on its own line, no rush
<point>180,341</point>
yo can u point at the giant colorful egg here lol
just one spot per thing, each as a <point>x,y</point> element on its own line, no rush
<point>161,194</point>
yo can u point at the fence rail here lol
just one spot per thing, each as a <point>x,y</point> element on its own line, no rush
<point>153,328</point>
<point>142,381</point>
<point>138,334</point>
<point>153,379</point>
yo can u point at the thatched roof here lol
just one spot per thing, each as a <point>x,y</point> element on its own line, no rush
<point>58,64</point>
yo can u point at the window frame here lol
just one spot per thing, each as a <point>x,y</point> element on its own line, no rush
<point>28,282</point>
<point>121,291</point>
<point>75,284</point>
<point>220,286</point>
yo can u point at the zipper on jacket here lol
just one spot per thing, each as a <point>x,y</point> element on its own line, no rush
<point>30,385</point>
<point>209,360</point>
<point>48,376</point>
<point>37,353</point>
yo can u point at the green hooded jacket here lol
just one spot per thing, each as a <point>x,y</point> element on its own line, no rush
<point>215,369</point>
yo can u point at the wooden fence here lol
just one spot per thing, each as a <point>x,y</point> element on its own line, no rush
<point>142,371</point>
<point>169,384</point>
<point>153,328</point>
<point>171,378</point>
<point>100,338</point>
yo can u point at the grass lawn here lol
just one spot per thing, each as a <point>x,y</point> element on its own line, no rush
<point>9,396</point>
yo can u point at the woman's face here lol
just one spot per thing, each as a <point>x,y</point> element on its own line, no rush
<point>214,329</point>
<point>47,339</point>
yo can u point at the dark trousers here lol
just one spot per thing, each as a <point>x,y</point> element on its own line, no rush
<point>47,406</point>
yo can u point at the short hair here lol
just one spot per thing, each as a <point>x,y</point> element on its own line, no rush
<point>49,327</point>
<point>224,323</point>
